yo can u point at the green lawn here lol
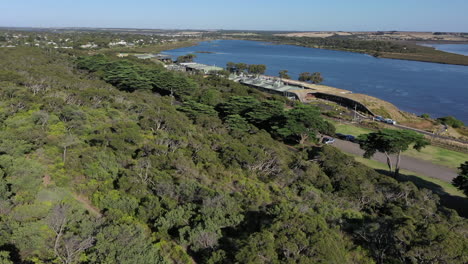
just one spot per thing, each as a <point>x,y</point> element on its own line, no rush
<point>436,155</point>
<point>425,181</point>
<point>441,156</point>
<point>350,129</point>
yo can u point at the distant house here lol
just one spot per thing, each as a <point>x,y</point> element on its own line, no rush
<point>160,57</point>
<point>175,67</point>
<point>144,56</point>
<point>271,86</point>
<point>121,43</point>
<point>163,58</point>
<point>201,68</point>
<point>89,46</point>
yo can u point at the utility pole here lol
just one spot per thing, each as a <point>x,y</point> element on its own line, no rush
<point>355,113</point>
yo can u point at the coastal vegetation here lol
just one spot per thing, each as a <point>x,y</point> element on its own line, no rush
<point>283,74</point>
<point>379,48</point>
<point>315,78</point>
<point>451,121</point>
<point>243,68</point>
<point>117,160</point>
<point>186,58</point>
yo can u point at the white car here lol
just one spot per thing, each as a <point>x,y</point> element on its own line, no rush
<point>390,121</point>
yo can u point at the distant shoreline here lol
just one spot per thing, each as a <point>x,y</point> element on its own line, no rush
<point>394,111</point>
<point>437,47</point>
<point>431,55</point>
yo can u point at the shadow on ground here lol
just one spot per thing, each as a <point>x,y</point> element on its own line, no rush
<point>457,203</point>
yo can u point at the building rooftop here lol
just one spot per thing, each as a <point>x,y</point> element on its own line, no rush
<point>155,56</point>
<point>201,67</point>
<point>163,57</point>
<point>144,56</point>
<point>268,84</point>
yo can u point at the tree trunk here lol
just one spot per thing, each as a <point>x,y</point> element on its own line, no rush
<point>58,236</point>
<point>304,137</point>
<point>397,165</point>
<point>64,154</point>
<point>389,162</point>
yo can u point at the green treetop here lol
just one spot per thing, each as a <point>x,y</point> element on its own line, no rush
<point>461,181</point>
<point>303,122</point>
<point>390,141</point>
<point>284,74</point>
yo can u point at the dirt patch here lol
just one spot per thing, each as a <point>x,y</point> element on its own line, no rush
<point>452,132</point>
<point>87,204</point>
<point>423,125</point>
<point>46,180</point>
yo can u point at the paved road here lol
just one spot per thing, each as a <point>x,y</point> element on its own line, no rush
<point>407,163</point>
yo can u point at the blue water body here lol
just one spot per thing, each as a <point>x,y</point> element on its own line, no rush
<point>452,48</point>
<point>416,87</point>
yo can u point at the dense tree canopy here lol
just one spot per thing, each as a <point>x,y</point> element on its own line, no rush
<point>128,76</point>
<point>95,167</point>
<point>303,122</point>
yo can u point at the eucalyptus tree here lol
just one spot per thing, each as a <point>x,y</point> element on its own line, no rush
<point>461,181</point>
<point>284,74</point>
<point>390,141</point>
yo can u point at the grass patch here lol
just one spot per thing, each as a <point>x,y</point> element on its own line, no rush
<point>463,131</point>
<point>349,129</point>
<point>53,194</point>
<point>440,156</point>
<point>426,182</point>
<point>381,111</point>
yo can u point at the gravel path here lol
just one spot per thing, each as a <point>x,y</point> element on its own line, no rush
<point>408,163</point>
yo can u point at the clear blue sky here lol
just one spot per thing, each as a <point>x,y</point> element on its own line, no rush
<point>313,15</point>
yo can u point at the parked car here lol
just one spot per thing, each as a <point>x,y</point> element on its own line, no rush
<point>340,136</point>
<point>379,118</point>
<point>345,137</point>
<point>390,121</point>
<point>328,140</point>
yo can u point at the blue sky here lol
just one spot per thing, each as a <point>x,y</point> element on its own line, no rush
<point>346,15</point>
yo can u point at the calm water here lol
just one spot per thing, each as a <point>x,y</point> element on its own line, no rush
<point>415,87</point>
<point>452,48</point>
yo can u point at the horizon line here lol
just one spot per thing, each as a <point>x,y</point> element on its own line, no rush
<point>195,29</point>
